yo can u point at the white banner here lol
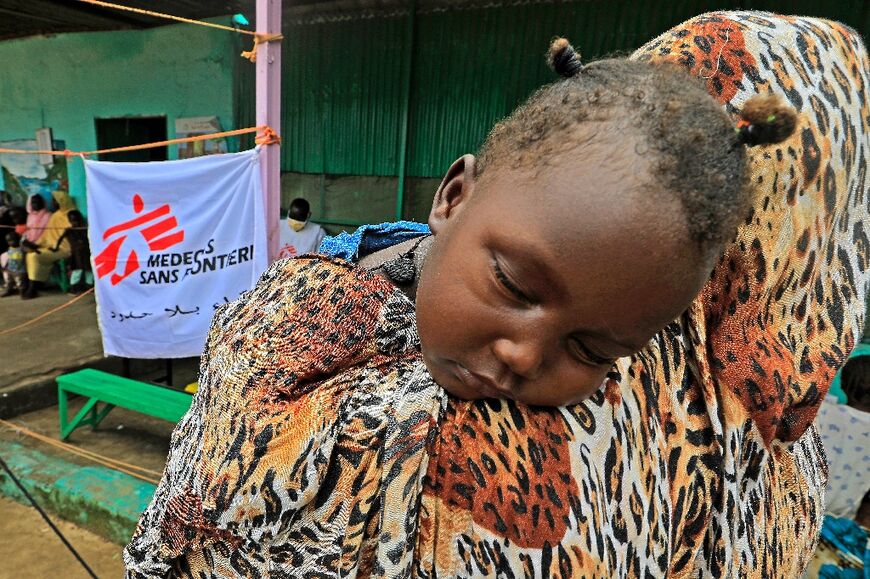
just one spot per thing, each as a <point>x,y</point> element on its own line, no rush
<point>170,242</point>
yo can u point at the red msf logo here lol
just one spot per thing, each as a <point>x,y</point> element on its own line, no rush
<point>159,235</point>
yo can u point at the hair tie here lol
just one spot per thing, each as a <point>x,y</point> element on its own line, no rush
<point>765,120</point>
<point>563,58</point>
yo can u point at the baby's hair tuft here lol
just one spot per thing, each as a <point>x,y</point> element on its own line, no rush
<point>765,120</point>
<point>563,59</point>
<point>696,157</point>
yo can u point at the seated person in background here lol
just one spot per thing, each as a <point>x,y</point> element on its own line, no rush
<point>37,218</point>
<point>298,236</point>
<point>76,235</point>
<point>14,270</point>
<point>42,255</point>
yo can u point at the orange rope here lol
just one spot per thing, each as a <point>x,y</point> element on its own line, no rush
<point>268,137</point>
<point>46,228</point>
<point>250,55</point>
<point>46,314</point>
<point>258,40</point>
<point>112,463</point>
<point>168,16</point>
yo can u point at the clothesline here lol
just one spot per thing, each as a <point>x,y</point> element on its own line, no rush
<point>268,137</point>
<point>43,228</point>
<point>168,16</point>
<point>250,55</point>
<point>142,473</point>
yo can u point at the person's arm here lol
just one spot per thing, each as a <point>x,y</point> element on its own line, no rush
<point>29,245</point>
<point>320,235</point>
<point>63,236</point>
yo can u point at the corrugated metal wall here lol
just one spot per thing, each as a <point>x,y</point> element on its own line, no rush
<point>342,94</point>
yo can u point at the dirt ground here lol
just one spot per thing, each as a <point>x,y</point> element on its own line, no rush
<point>29,549</point>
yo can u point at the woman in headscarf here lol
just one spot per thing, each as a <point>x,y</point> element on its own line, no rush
<point>42,255</point>
<point>37,218</point>
<point>320,446</point>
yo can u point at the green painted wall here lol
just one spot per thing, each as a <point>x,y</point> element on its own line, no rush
<point>66,81</point>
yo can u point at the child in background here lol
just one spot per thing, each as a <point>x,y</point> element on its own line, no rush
<point>79,260</point>
<point>14,268</point>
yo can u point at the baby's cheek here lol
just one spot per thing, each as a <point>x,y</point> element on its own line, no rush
<point>567,387</point>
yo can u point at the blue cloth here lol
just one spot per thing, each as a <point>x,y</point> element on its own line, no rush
<point>828,571</point>
<point>371,238</point>
<point>847,536</point>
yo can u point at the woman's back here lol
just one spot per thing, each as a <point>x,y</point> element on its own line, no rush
<point>311,448</point>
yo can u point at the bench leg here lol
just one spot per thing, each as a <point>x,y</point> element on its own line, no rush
<point>62,411</point>
<point>97,416</point>
<point>79,419</point>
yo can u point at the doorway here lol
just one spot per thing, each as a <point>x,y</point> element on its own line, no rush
<point>125,131</point>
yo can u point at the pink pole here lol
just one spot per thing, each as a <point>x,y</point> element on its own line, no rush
<point>269,113</point>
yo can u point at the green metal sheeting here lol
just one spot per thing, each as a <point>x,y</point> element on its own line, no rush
<point>470,66</point>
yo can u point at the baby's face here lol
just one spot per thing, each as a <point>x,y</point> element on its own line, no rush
<point>536,285</point>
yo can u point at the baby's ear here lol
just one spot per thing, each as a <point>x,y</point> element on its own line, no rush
<point>456,189</point>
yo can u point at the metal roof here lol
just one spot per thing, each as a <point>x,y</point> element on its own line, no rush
<point>30,17</point>
<point>34,17</point>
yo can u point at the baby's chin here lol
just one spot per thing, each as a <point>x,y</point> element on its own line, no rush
<point>463,393</point>
<point>442,375</point>
<point>450,382</point>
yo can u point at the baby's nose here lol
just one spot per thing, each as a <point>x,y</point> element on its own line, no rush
<point>522,357</point>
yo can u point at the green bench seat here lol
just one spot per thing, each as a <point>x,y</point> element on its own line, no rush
<point>110,391</point>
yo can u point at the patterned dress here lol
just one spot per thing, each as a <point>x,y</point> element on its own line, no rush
<point>318,446</point>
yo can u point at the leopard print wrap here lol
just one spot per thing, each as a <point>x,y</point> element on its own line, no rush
<point>318,446</point>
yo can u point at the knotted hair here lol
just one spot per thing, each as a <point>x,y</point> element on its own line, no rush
<point>765,120</point>
<point>699,156</point>
<point>563,59</point>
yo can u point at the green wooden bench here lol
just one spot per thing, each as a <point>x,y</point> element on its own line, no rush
<point>111,390</point>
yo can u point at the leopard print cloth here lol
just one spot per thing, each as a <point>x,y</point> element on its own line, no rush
<point>312,449</point>
<point>304,449</point>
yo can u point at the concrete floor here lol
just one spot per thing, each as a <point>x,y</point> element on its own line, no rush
<point>123,435</point>
<point>29,549</point>
<point>67,338</point>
